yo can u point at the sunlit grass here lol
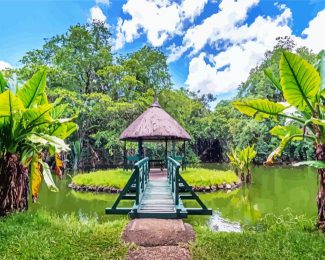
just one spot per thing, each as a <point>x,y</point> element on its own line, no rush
<point>204,177</point>
<point>44,235</point>
<point>116,178</point>
<point>274,237</point>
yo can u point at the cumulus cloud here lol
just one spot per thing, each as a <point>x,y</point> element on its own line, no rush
<point>4,65</point>
<point>314,33</point>
<point>104,2</point>
<point>246,44</point>
<point>158,20</point>
<point>97,14</point>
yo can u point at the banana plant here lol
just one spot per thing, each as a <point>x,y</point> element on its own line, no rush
<point>30,129</point>
<point>303,87</point>
<point>241,162</point>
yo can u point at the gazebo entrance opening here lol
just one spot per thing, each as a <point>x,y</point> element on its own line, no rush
<point>157,151</point>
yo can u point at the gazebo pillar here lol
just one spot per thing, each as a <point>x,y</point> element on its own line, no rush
<point>174,148</point>
<point>140,148</point>
<point>124,157</point>
<point>166,151</point>
<point>184,156</point>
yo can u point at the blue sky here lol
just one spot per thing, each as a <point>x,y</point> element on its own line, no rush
<point>211,45</point>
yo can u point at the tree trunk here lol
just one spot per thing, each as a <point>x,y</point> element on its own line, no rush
<point>320,155</point>
<point>242,177</point>
<point>13,185</point>
<point>248,177</point>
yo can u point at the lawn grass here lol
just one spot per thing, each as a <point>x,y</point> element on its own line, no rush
<point>43,235</point>
<point>200,177</point>
<point>280,238</point>
<point>116,178</point>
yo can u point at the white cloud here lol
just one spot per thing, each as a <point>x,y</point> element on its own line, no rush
<point>104,2</point>
<point>97,14</point>
<point>247,44</point>
<point>158,20</point>
<point>4,65</point>
<point>314,33</point>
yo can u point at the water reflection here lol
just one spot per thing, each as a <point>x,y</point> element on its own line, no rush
<point>273,190</point>
<point>217,223</point>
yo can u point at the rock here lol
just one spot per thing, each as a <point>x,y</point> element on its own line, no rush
<point>214,187</point>
<point>228,186</point>
<point>220,187</point>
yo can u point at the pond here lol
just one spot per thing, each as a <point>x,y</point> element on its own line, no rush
<point>273,190</point>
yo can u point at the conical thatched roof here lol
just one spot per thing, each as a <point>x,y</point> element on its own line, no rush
<point>154,124</point>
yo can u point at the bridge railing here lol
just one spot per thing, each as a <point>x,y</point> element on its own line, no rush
<point>141,170</point>
<point>139,177</point>
<point>173,178</point>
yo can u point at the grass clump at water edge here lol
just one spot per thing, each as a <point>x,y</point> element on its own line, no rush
<point>284,237</point>
<point>44,235</point>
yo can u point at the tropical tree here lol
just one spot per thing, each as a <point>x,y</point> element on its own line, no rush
<point>302,86</point>
<point>242,161</point>
<point>30,131</point>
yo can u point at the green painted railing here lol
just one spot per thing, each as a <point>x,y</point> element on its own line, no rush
<point>173,178</point>
<point>139,177</point>
<point>141,170</point>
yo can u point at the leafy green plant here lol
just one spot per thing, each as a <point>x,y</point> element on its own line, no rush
<point>241,162</point>
<point>302,86</point>
<point>30,131</point>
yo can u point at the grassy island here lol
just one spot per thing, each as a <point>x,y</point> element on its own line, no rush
<point>117,178</point>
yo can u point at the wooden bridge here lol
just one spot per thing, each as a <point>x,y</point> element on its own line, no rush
<point>158,194</point>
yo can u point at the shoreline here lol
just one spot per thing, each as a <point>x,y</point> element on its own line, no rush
<point>113,190</point>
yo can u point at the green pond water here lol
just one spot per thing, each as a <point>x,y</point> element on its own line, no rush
<point>273,190</point>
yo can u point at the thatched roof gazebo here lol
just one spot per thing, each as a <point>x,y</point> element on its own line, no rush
<point>155,124</point>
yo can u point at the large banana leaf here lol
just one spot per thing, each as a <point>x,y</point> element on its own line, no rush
<point>3,83</point>
<point>35,176</point>
<point>10,104</point>
<point>32,92</point>
<point>259,108</point>
<point>268,72</point>
<point>56,144</point>
<point>278,151</point>
<point>300,81</point>
<point>64,130</point>
<point>321,68</point>
<point>37,116</point>
<point>282,131</point>
<point>47,175</point>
